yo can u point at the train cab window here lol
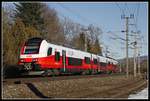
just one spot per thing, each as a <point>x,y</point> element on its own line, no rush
<point>87,60</point>
<point>57,56</point>
<point>95,61</point>
<point>32,46</point>
<point>49,52</point>
<point>31,50</point>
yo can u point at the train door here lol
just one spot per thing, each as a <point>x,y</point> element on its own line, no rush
<point>99,66</point>
<point>91,62</point>
<point>64,60</point>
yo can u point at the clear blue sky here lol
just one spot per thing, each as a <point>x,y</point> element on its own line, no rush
<point>107,16</point>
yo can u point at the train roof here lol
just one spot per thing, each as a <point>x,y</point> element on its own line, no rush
<point>102,58</point>
<point>111,58</point>
<point>87,54</point>
<point>78,52</point>
<point>34,41</point>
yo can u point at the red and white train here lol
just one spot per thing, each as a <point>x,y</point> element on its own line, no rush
<point>37,55</point>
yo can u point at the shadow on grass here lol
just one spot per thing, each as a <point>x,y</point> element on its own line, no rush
<point>36,91</point>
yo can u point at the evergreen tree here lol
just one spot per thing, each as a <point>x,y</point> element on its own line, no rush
<point>8,41</point>
<point>31,14</point>
<point>43,19</point>
<point>13,38</point>
<point>21,33</point>
<point>79,41</point>
<point>97,48</point>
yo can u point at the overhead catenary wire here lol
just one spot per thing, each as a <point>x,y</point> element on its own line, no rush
<point>77,14</point>
<point>136,13</point>
<point>128,10</point>
<point>136,20</point>
<point>122,10</point>
<point>68,9</point>
<point>138,40</point>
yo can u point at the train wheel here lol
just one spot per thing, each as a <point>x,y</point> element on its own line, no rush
<point>96,71</point>
<point>88,72</point>
<point>56,72</point>
<point>109,72</point>
<point>43,74</point>
<point>93,72</point>
<point>83,73</point>
<point>47,73</point>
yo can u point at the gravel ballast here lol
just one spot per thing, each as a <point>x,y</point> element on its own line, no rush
<point>73,88</point>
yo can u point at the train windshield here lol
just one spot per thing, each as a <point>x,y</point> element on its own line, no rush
<point>31,50</point>
<point>32,46</point>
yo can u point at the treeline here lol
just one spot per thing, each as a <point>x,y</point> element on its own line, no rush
<point>29,20</point>
<point>143,65</point>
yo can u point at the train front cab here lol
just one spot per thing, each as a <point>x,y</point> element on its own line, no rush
<point>30,54</point>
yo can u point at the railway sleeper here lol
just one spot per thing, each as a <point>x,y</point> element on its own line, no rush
<point>94,72</point>
<point>56,72</point>
<point>51,72</point>
<point>47,72</point>
<point>89,72</point>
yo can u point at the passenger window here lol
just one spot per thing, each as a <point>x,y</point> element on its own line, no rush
<point>57,56</point>
<point>95,61</point>
<point>87,60</point>
<point>49,51</point>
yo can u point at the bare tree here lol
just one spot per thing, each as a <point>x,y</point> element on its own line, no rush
<point>52,27</point>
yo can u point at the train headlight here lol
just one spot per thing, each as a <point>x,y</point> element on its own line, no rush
<point>35,60</point>
<point>21,60</point>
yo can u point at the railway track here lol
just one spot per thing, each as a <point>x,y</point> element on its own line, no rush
<point>122,90</point>
<point>30,79</point>
<point>113,86</point>
<point>107,90</point>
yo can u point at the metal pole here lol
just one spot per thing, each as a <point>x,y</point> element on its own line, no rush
<point>127,67</point>
<point>135,54</point>
<point>134,60</point>
<point>127,30</point>
<point>139,65</point>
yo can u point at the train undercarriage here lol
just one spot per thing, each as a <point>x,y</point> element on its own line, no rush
<point>35,69</point>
